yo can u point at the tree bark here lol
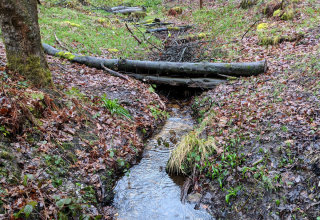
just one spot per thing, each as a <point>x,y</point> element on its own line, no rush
<point>21,36</point>
<point>205,83</point>
<point>187,70</point>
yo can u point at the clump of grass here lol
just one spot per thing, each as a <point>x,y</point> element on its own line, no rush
<point>113,106</point>
<point>191,149</point>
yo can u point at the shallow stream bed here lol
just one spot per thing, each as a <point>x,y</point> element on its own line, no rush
<point>148,192</point>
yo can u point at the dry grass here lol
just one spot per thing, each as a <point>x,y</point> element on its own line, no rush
<point>189,143</point>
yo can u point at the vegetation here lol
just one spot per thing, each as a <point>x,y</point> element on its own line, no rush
<point>114,107</point>
<point>90,32</point>
<point>255,148</point>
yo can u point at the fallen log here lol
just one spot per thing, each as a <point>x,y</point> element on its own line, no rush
<point>156,24</point>
<point>126,10</point>
<point>188,70</point>
<point>181,28</point>
<point>120,9</point>
<point>206,83</point>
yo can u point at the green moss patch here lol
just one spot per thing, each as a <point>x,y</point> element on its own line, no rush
<point>32,69</point>
<point>66,55</point>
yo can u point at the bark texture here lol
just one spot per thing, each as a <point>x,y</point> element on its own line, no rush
<point>187,70</point>
<point>205,83</point>
<point>21,36</point>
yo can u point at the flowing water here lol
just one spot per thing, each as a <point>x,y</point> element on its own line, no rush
<point>148,192</point>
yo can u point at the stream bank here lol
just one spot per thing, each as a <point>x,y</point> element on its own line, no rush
<point>63,148</point>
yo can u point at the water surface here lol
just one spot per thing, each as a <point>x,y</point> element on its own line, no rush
<point>148,192</point>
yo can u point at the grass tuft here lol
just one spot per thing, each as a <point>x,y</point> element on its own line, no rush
<point>191,149</point>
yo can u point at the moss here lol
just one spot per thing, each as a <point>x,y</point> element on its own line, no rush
<point>288,15</point>
<point>277,13</point>
<point>71,24</point>
<point>177,9</point>
<point>202,35</point>
<point>173,28</point>
<point>113,50</point>
<point>247,3</point>
<point>262,26</point>
<point>66,55</point>
<point>271,7</point>
<point>67,145</point>
<point>101,20</point>
<point>35,95</point>
<point>276,40</point>
<point>32,69</point>
<point>138,14</point>
<point>267,40</point>
<point>148,21</point>
<point>5,155</point>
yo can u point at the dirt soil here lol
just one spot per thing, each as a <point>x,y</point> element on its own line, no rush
<point>272,123</point>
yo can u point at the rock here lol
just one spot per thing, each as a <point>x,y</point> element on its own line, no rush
<point>207,198</point>
<point>194,197</point>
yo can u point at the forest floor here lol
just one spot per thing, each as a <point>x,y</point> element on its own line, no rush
<point>62,149</point>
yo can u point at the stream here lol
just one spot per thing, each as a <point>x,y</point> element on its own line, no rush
<point>148,192</point>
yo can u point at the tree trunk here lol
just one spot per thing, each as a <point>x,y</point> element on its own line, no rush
<point>201,4</point>
<point>21,36</point>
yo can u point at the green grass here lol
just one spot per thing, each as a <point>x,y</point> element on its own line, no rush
<point>115,108</point>
<point>88,33</point>
<point>226,21</point>
<point>110,3</point>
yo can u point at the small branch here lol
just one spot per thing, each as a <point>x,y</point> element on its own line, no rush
<point>249,29</point>
<point>103,193</point>
<point>132,34</point>
<point>147,39</point>
<point>182,54</point>
<point>114,73</point>
<point>59,42</point>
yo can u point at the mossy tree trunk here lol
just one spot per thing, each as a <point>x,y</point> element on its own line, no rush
<point>21,36</point>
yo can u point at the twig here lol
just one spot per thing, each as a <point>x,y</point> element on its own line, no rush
<point>132,34</point>
<point>59,42</point>
<point>147,39</point>
<point>103,193</point>
<point>249,29</point>
<point>114,73</point>
<point>182,54</point>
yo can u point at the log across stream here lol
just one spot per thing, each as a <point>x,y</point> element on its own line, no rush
<point>148,192</point>
<point>200,75</point>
